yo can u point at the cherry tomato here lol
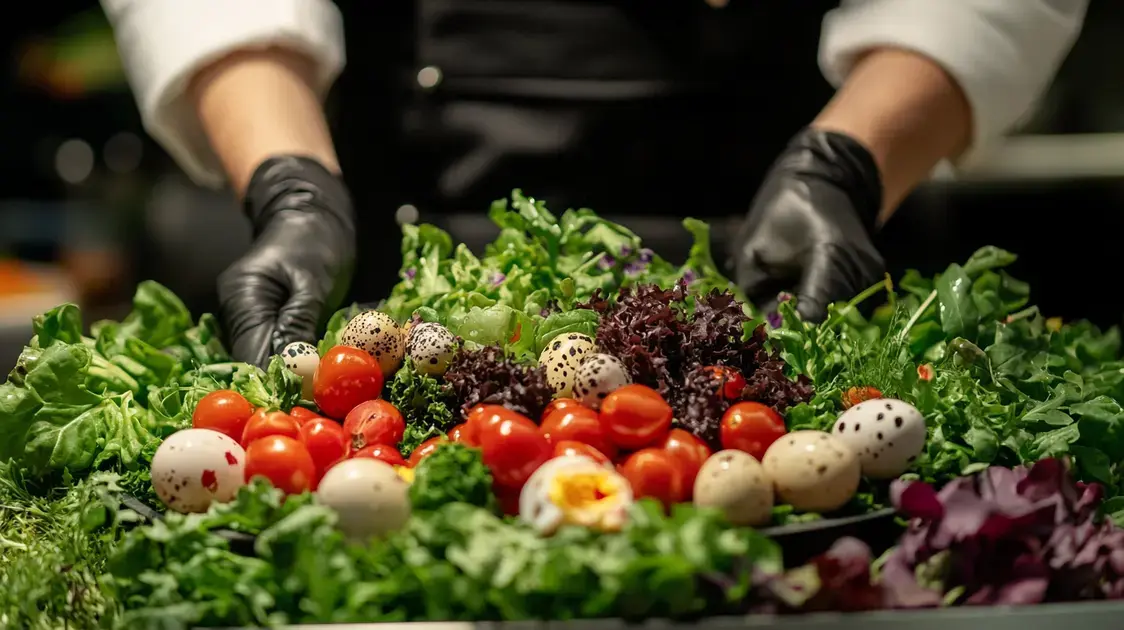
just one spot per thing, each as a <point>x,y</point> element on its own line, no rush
<point>483,416</point>
<point>655,473</point>
<point>463,434</point>
<point>374,422</point>
<point>223,410</point>
<point>265,423</point>
<point>557,405</point>
<point>284,461</point>
<point>382,452</point>
<point>570,447</point>
<point>751,427</point>
<point>326,442</point>
<point>690,452</point>
<point>635,416</point>
<point>302,415</point>
<point>425,449</point>
<point>579,424</point>
<point>508,501</point>
<point>856,395</point>
<point>344,378</point>
<point>512,449</point>
<point>730,379</point>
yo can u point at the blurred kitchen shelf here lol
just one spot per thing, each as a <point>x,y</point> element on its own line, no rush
<point>1044,158</point>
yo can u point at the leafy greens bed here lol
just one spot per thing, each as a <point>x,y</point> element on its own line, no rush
<point>999,385</point>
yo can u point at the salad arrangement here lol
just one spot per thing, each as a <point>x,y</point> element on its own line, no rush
<point>568,426</point>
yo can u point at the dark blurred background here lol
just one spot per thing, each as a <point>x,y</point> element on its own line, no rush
<point>89,205</point>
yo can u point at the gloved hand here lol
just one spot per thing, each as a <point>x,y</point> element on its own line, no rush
<point>300,263</point>
<point>809,228</point>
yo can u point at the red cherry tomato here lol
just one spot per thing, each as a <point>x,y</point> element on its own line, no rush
<point>731,381</point>
<point>513,449</point>
<point>302,415</point>
<point>635,416</point>
<point>326,442</point>
<point>382,452</point>
<point>508,501</point>
<point>655,473</point>
<point>570,447</point>
<point>284,461</point>
<point>483,416</point>
<point>578,424</point>
<point>558,404</point>
<point>374,422</point>
<point>463,434</point>
<point>751,427</point>
<point>856,395</point>
<point>425,449</point>
<point>265,423</point>
<point>690,452</point>
<point>344,378</point>
<point>225,411</point>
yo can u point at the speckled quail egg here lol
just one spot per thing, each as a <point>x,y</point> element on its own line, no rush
<point>431,347</point>
<point>597,375</point>
<point>736,483</point>
<point>887,435</point>
<point>195,467</point>
<point>378,335</point>
<point>302,358</point>
<point>575,490</point>
<point>812,471</point>
<point>368,495</point>
<point>561,358</point>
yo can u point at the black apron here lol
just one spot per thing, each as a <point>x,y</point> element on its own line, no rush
<point>644,110</point>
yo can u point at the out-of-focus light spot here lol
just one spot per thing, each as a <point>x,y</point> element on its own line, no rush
<point>123,152</point>
<point>429,77</point>
<point>74,161</point>
<point>406,214</point>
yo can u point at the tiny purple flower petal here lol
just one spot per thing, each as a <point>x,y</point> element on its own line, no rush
<point>410,273</point>
<point>774,319</point>
<point>784,297</point>
<point>646,255</point>
<point>606,262</point>
<point>625,250</point>
<point>690,276</point>
<point>498,279</point>
<point>634,268</point>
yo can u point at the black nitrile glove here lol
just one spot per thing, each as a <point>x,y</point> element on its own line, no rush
<point>809,229</point>
<point>299,265</point>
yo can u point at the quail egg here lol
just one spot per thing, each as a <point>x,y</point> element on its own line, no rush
<point>431,347</point>
<point>813,471</point>
<point>379,336</point>
<point>887,435</point>
<point>561,358</point>
<point>368,495</point>
<point>598,374</point>
<point>302,358</point>
<point>195,467</point>
<point>574,489</point>
<point>736,483</point>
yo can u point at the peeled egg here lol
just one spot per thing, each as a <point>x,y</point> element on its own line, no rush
<point>561,358</point>
<point>302,358</point>
<point>813,471</point>
<point>887,435</point>
<point>368,495</point>
<point>379,336</point>
<point>574,489</point>
<point>736,483</point>
<point>597,376</point>
<point>431,347</point>
<point>195,467</point>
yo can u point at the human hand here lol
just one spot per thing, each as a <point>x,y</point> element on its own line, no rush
<point>299,265</point>
<point>809,228</point>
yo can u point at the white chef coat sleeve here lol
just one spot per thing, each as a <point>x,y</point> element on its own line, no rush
<point>163,43</point>
<point>1003,53</point>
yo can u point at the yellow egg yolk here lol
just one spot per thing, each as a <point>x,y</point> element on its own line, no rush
<point>405,474</point>
<point>586,498</point>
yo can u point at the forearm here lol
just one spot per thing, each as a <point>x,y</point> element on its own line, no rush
<point>255,104</point>
<point>907,111</point>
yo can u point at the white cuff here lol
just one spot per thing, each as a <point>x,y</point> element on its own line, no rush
<point>163,43</point>
<point>1002,53</point>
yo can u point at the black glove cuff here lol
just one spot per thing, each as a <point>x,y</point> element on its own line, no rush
<point>843,161</point>
<point>296,183</point>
